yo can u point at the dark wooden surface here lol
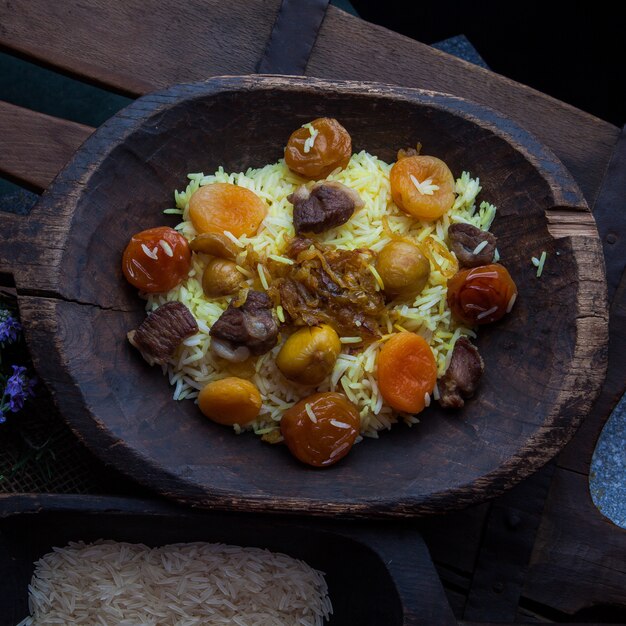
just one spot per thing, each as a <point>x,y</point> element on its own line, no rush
<point>192,46</point>
<point>138,46</point>
<point>36,146</point>
<point>348,48</point>
<point>70,252</point>
<point>570,528</point>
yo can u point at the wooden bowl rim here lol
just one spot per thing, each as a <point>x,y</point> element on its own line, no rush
<point>591,318</point>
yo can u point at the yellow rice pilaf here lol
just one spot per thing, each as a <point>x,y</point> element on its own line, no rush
<point>355,373</point>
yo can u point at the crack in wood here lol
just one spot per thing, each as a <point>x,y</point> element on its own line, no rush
<point>49,295</point>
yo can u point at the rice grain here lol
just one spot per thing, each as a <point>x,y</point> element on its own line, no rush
<point>370,227</point>
<point>112,583</point>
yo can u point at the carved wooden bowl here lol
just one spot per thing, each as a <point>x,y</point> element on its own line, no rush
<point>544,363</point>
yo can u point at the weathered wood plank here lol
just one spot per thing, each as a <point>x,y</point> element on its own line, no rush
<point>138,46</point>
<point>293,36</point>
<point>512,523</point>
<point>579,557</point>
<point>610,216</point>
<point>612,226</point>
<point>115,45</point>
<point>36,146</point>
<point>349,48</point>
<point>453,539</point>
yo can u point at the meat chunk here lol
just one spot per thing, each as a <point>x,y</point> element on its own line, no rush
<point>465,239</point>
<point>326,205</point>
<point>462,376</point>
<point>250,325</point>
<point>162,331</point>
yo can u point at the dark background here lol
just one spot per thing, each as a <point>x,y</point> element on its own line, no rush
<point>573,51</point>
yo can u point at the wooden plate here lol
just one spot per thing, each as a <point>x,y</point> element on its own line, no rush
<point>392,563</point>
<point>544,363</point>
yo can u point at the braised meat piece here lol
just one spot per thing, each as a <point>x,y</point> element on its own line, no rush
<point>462,376</point>
<point>250,325</point>
<point>326,205</point>
<point>331,286</point>
<point>465,239</point>
<point>162,331</point>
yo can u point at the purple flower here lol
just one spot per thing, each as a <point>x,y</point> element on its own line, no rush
<point>9,328</point>
<point>18,388</point>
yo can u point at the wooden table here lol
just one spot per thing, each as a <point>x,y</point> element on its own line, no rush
<point>541,552</point>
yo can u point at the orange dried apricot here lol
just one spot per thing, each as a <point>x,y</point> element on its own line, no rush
<point>156,260</point>
<point>318,148</point>
<point>422,186</point>
<point>481,295</point>
<point>407,371</point>
<point>230,401</point>
<point>321,429</point>
<point>221,206</point>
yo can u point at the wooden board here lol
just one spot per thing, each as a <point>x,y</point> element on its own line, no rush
<point>36,146</point>
<point>138,46</point>
<point>574,537</point>
<point>192,47</point>
<point>348,48</point>
<point>449,462</point>
<point>392,564</point>
<point>386,54</point>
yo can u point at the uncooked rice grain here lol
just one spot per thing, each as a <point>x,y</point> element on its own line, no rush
<point>114,584</point>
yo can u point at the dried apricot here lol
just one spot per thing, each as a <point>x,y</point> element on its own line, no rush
<point>156,260</point>
<point>230,401</point>
<point>481,295</point>
<point>221,206</point>
<point>318,148</point>
<point>407,372</point>
<point>422,186</point>
<point>321,429</point>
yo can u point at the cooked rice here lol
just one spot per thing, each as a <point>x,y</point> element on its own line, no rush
<point>539,263</point>
<point>122,584</point>
<point>354,374</point>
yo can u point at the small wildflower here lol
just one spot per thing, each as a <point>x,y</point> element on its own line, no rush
<point>10,328</point>
<point>19,388</point>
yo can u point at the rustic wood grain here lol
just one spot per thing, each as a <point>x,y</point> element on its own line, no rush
<point>349,48</point>
<point>36,146</point>
<point>137,46</point>
<point>612,225</point>
<point>451,460</point>
<point>593,159</point>
<point>610,216</point>
<point>577,568</point>
<point>500,569</point>
<point>391,564</point>
<point>115,45</point>
<point>451,550</point>
<point>578,558</point>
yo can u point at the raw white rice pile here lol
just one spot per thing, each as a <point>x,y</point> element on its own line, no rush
<point>122,584</point>
<point>355,373</point>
